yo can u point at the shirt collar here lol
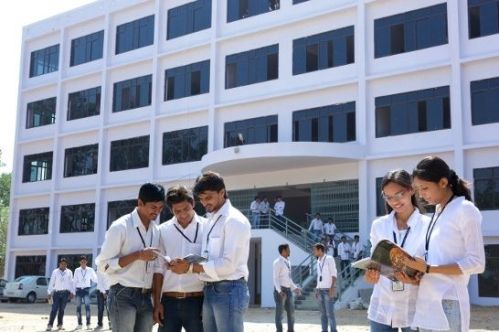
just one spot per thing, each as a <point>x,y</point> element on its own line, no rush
<point>411,222</point>
<point>195,220</point>
<point>453,201</point>
<point>223,211</point>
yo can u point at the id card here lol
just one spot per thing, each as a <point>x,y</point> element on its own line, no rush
<point>397,286</point>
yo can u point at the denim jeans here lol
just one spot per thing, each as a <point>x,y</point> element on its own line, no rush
<point>378,327</point>
<point>225,303</point>
<point>326,307</point>
<point>130,309</point>
<point>345,270</point>
<point>282,304</point>
<point>255,218</point>
<point>184,313</point>
<point>453,314</point>
<point>83,294</point>
<point>101,305</point>
<point>60,299</point>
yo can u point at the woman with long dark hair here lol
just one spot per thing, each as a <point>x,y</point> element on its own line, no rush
<point>453,248</point>
<point>393,303</point>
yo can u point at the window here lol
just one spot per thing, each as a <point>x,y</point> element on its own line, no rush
<point>42,281</point>
<point>73,260</point>
<point>77,218</point>
<point>87,48</point>
<point>44,61</point>
<point>488,281</point>
<point>189,18</point>
<point>483,18</point>
<point>117,209</point>
<point>332,123</point>
<point>412,112</point>
<point>33,221</point>
<point>414,30</point>
<point>135,34</point>
<point>81,160</point>
<point>252,67</point>
<point>30,266</point>
<point>324,50</point>
<point>251,131</point>
<point>41,113</point>
<point>486,185</point>
<point>83,104</point>
<point>129,153</point>
<point>485,101</point>
<point>189,80</point>
<point>239,9</point>
<point>133,93</point>
<point>37,167</point>
<point>185,145</point>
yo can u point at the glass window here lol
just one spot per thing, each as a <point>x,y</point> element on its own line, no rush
<point>186,81</point>
<point>33,221</point>
<point>73,260</point>
<point>189,18</point>
<point>251,131</point>
<point>483,18</point>
<point>380,202</point>
<point>83,104</point>
<point>135,34</point>
<point>87,48</point>
<point>81,160</point>
<point>41,113</point>
<point>488,281</point>
<point>132,93</point>
<point>185,145</point>
<point>117,209</point>
<point>44,61</point>
<point>485,101</point>
<point>37,167</point>
<point>250,67</point>
<point>129,153</point>
<point>486,186</point>
<point>240,9</point>
<point>30,266</point>
<point>77,218</point>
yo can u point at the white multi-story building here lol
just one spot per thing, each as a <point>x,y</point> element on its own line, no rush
<point>311,100</point>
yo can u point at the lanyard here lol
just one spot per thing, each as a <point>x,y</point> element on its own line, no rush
<point>83,275</point>
<point>405,237</point>
<point>431,226</point>
<point>209,233</point>
<point>63,273</point>
<point>185,236</point>
<point>321,266</point>
<point>142,239</point>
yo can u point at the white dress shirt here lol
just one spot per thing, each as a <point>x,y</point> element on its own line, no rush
<point>174,245</point>
<point>255,207</point>
<point>282,274</point>
<point>329,228</point>
<point>326,270</point>
<point>226,245</point>
<point>60,281</point>
<point>102,282</point>
<point>396,307</point>
<point>123,238</point>
<point>83,277</point>
<point>357,249</point>
<point>344,251</point>
<point>264,207</point>
<point>316,225</point>
<point>279,208</point>
<point>456,238</point>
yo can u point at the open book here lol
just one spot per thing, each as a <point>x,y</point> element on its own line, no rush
<point>387,257</point>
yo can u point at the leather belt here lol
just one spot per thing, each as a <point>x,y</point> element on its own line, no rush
<point>180,295</point>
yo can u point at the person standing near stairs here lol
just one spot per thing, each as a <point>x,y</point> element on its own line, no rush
<point>325,293</point>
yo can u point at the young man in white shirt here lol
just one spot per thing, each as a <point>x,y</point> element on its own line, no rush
<point>83,277</point>
<point>284,288</point>
<point>127,253</point>
<point>344,252</point>
<point>102,292</point>
<point>60,291</point>
<point>255,212</point>
<point>279,207</point>
<point>330,229</point>
<point>178,298</point>
<point>226,248</point>
<point>317,226</point>
<point>325,292</point>
<point>264,211</point>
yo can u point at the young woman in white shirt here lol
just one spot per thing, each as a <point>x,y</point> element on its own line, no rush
<point>393,303</point>
<point>453,248</point>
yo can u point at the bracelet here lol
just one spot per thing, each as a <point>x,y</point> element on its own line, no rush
<point>428,268</point>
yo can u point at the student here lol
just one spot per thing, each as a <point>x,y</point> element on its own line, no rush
<point>453,248</point>
<point>317,226</point>
<point>255,212</point>
<point>344,250</point>
<point>325,292</point>
<point>393,303</point>
<point>60,291</point>
<point>102,292</point>
<point>279,207</point>
<point>83,278</point>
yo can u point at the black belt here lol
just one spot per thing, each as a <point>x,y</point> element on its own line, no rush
<point>64,290</point>
<point>224,281</point>
<point>137,289</point>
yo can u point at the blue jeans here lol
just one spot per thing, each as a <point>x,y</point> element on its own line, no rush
<point>130,309</point>
<point>345,270</point>
<point>282,304</point>
<point>225,303</point>
<point>101,305</point>
<point>83,294</point>
<point>326,307</point>
<point>378,327</point>
<point>453,314</point>
<point>255,218</point>
<point>184,313</point>
<point>60,299</point>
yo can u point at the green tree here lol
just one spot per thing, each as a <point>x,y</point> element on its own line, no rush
<point>4,214</point>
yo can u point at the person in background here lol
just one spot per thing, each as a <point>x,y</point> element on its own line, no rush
<point>279,207</point>
<point>284,287</point>
<point>330,229</point>
<point>255,212</point>
<point>102,292</point>
<point>344,252</point>
<point>60,291</point>
<point>357,248</point>
<point>454,248</point>
<point>325,292</point>
<point>264,211</point>
<point>83,278</point>
<point>317,226</point>
<point>393,303</point>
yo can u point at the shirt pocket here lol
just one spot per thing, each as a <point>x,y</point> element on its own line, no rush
<point>214,248</point>
<point>194,248</point>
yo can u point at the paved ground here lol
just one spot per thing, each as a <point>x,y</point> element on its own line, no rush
<point>34,317</point>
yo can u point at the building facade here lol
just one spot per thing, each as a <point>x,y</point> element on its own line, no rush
<point>310,100</point>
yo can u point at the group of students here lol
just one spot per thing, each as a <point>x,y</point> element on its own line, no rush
<point>260,210</point>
